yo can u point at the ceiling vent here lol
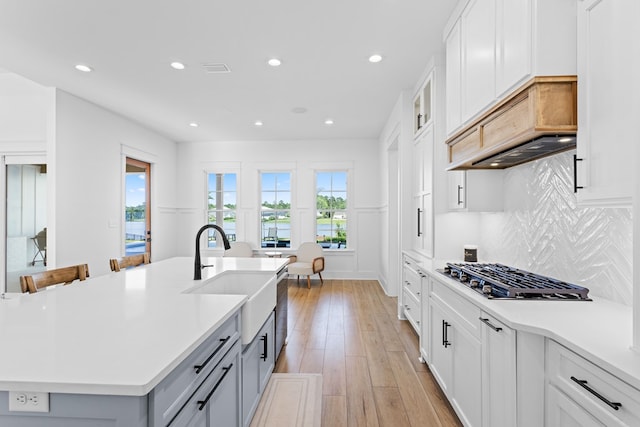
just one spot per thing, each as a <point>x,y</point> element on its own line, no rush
<point>216,68</point>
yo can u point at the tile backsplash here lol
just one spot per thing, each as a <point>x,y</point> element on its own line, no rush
<point>543,230</point>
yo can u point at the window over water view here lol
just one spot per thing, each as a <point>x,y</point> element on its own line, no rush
<point>331,209</point>
<point>222,199</point>
<point>275,210</point>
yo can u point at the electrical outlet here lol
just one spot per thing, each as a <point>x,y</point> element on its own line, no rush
<point>28,401</point>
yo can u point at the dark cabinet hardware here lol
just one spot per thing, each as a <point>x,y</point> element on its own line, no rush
<point>419,230</point>
<point>460,187</point>
<point>200,367</point>
<point>489,324</point>
<point>583,384</point>
<point>265,348</point>
<point>445,334</point>
<point>576,187</point>
<point>203,403</point>
<point>418,122</point>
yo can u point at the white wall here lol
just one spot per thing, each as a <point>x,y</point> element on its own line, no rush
<point>86,169</point>
<point>248,158</point>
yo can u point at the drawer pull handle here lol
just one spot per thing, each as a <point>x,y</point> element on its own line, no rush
<point>203,403</point>
<point>460,201</point>
<point>223,341</point>
<point>419,228</point>
<point>445,334</point>
<point>576,187</point>
<point>583,384</point>
<point>265,347</point>
<point>488,323</point>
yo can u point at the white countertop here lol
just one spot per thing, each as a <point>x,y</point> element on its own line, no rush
<point>599,330</point>
<point>121,333</point>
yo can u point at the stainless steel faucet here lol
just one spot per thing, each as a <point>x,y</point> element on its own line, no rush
<point>197,268</point>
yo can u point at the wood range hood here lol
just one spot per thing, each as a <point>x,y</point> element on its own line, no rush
<point>538,119</point>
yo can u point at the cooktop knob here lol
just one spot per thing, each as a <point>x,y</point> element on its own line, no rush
<point>486,289</point>
<point>463,277</point>
<point>474,283</point>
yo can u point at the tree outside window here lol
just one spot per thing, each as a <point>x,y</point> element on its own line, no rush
<point>331,209</point>
<point>221,206</point>
<point>275,209</point>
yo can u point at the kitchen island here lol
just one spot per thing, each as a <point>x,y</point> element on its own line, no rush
<point>116,335</point>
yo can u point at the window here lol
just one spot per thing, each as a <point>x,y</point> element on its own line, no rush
<point>275,210</point>
<point>331,205</point>
<point>221,205</point>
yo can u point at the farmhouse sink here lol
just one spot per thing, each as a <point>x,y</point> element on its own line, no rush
<point>260,287</point>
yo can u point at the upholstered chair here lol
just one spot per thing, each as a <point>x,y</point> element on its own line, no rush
<point>308,260</point>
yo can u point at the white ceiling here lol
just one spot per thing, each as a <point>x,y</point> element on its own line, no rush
<point>323,45</point>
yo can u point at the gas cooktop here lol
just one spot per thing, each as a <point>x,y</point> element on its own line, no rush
<point>499,281</point>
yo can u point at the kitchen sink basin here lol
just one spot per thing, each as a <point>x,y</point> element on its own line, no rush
<point>261,289</point>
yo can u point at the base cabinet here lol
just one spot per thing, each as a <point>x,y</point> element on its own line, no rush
<point>581,393</point>
<point>498,373</point>
<point>258,361</point>
<point>411,293</point>
<point>216,402</point>
<point>455,359</point>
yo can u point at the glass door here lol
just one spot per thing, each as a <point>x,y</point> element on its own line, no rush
<point>137,207</point>
<point>25,225</point>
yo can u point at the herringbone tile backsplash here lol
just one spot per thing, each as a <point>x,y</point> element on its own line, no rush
<point>543,230</point>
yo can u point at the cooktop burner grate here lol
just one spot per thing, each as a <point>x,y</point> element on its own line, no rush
<point>501,281</point>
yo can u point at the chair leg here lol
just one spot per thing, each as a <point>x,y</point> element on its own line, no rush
<point>320,274</point>
<point>298,279</point>
<point>309,282</point>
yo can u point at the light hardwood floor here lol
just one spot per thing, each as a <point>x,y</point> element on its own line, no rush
<point>348,330</point>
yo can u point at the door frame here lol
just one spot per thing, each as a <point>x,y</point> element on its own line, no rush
<point>147,183</point>
<point>14,159</point>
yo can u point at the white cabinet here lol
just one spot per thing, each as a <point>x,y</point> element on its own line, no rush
<point>423,192</point>
<point>478,56</point>
<point>498,373</point>
<point>580,393</point>
<point>258,361</point>
<point>607,102</point>
<point>456,351</point>
<point>493,46</point>
<point>453,63</point>
<point>475,190</point>
<point>411,299</point>
<point>513,43</point>
<point>423,106</point>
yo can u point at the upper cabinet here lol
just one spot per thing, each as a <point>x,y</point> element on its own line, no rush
<point>422,107</point>
<point>493,46</point>
<point>607,102</point>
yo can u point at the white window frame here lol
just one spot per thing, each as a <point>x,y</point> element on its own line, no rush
<point>291,209</point>
<point>348,210</point>
<point>233,236</point>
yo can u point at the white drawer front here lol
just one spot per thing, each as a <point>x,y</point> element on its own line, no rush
<point>411,307</point>
<point>594,389</point>
<point>466,312</point>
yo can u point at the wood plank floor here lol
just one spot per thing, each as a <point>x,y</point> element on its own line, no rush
<point>348,330</point>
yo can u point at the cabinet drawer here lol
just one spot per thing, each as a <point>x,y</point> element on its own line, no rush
<point>466,313</point>
<point>411,307</point>
<point>167,398</point>
<point>217,401</point>
<point>574,376</point>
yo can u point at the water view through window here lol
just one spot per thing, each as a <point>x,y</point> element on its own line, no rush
<point>222,199</point>
<point>275,210</point>
<point>331,209</point>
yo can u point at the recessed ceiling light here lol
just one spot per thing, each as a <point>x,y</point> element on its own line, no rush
<point>494,164</point>
<point>328,122</point>
<point>258,123</point>
<point>375,58</point>
<point>274,62</point>
<point>84,68</point>
<point>193,124</point>
<point>177,65</point>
